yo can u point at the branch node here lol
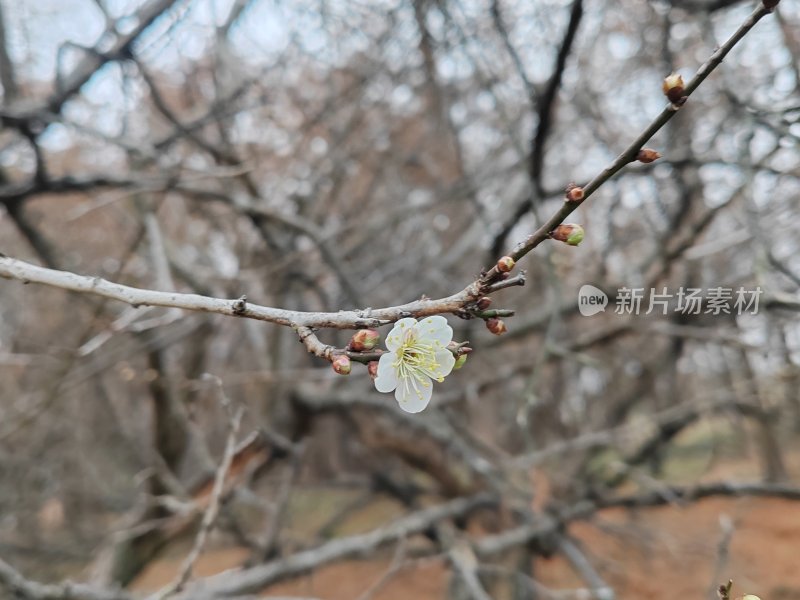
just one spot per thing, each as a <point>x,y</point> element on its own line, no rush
<point>240,306</point>
<point>510,282</point>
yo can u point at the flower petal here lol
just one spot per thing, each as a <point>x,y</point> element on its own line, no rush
<point>436,330</point>
<point>444,365</point>
<point>386,380</point>
<point>395,337</point>
<point>413,394</point>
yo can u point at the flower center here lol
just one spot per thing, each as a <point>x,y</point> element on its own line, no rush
<point>416,359</point>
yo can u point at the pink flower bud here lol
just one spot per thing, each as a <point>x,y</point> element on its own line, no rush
<point>647,155</point>
<point>484,303</point>
<point>569,233</point>
<point>341,364</point>
<point>574,193</point>
<point>496,326</point>
<point>364,339</point>
<point>673,88</point>
<point>372,368</point>
<point>505,264</point>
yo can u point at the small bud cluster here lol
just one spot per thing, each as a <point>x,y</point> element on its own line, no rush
<point>365,340</point>
<point>362,340</point>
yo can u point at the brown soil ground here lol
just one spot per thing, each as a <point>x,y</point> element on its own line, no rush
<point>664,553</point>
<point>668,552</point>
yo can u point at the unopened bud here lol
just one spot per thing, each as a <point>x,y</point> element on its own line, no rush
<point>372,368</point>
<point>647,155</point>
<point>569,233</point>
<point>574,193</point>
<point>496,326</point>
<point>673,87</point>
<point>459,348</point>
<point>341,364</point>
<point>484,303</point>
<point>364,339</point>
<point>505,264</point>
<point>460,361</point>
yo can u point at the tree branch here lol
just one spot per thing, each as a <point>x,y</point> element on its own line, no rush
<point>256,578</point>
<point>11,268</point>
<point>21,587</point>
<point>629,154</point>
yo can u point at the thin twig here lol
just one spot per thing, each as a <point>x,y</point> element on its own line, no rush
<point>273,529</point>
<point>256,578</point>
<point>211,512</point>
<point>723,554</point>
<point>20,587</point>
<point>397,564</point>
<point>580,563</point>
<point>466,566</point>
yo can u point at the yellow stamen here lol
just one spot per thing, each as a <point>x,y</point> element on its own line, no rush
<point>416,360</point>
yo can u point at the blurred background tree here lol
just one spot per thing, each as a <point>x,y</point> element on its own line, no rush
<point>321,155</point>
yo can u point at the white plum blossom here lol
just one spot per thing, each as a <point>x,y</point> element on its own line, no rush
<point>417,354</point>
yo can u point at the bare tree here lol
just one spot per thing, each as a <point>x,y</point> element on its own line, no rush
<point>386,187</point>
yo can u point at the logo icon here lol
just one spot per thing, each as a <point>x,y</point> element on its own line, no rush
<point>591,300</point>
